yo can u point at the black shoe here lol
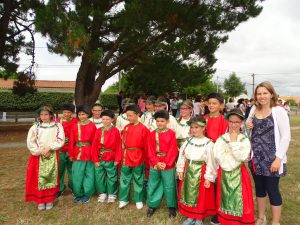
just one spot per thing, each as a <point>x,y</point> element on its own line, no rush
<point>172,212</point>
<point>150,212</point>
<point>214,220</point>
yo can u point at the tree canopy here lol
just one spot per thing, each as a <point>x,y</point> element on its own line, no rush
<point>233,86</point>
<point>114,35</point>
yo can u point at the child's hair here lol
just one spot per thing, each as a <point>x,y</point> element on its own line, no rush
<point>161,114</point>
<point>216,96</point>
<point>199,120</point>
<point>97,104</point>
<point>69,107</point>
<point>134,108</point>
<point>83,108</point>
<point>271,89</point>
<point>151,99</point>
<point>162,101</point>
<point>187,103</point>
<point>108,113</point>
<point>236,112</point>
<point>47,108</point>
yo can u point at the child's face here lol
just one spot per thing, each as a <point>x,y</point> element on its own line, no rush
<point>67,114</point>
<point>149,107</point>
<point>161,123</point>
<point>196,130</point>
<point>158,107</point>
<point>82,116</point>
<point>132,116</point>
<point>107,121</point>
<point>185,111</point>
<point>45,116</point>
<point>97,111</point>
<point>235,123</point>
<point>214,105</point>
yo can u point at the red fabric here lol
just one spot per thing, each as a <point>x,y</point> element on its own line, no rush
<point>134,136</point>
<point>112,141</point>
<point>248,205</point>
<point>167,144</point>
<point>87,135</point>
<point>206,201</point>
<point>215,127</point>
<point>67,125</point>
<point>32,194</point>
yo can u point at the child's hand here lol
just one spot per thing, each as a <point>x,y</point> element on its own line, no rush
<point>275,165</point>
<point>97,164</point>
<point>180,175</point>
<point>116,163</point>
<point>206,183</point>
<point>161,165</point>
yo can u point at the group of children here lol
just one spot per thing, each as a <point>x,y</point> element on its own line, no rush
<point>152,150</point>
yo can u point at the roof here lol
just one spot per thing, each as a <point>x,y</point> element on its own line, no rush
<point>285,98</point>
<point>8,84</point>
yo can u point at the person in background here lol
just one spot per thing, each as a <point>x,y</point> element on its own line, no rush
<point>251,103</point>
<point>142,103</point>
<point>147,117</point>
<point>174,105</point>
<point>287,108</point>
<point>230,105</point>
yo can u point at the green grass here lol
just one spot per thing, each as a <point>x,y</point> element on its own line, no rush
<point>13,209</point>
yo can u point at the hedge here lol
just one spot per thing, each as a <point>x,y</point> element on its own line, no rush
<point>10,102</point>
<point>109,101</point>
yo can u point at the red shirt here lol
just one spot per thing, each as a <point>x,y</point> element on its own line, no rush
<point>134,136</point>
<point>111,142</point>
<point>86,133</point>
<point>67,125</point>
<point>215,127</point>
<point>168,149</point>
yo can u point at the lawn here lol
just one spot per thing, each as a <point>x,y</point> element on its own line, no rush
<point>13,209</point>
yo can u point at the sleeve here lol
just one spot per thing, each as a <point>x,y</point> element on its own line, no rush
<point>59,139</point>
<point>284,129</point>
<point>72,140</point>
<point>240,150</point>
<point>173,152</point>
<point>151,148</point>
<point>118,144</point>
<point>173,124</point>
<point>181,159</point>
<point>96,147</point>
<point>118,123</point>
<point>143,118</point>
<point>31,142</point>
<point>211,164</point>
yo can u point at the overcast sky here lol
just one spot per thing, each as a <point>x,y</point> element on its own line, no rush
<point>268,46</point>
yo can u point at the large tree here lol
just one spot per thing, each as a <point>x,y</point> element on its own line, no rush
<point>233,86</point>
<point>115,35</point>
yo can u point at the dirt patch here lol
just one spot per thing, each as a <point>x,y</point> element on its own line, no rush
<point>13,132</point>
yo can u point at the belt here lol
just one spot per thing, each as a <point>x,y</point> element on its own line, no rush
<point>81,144</point>
<point>133,148</point>
<point>161,153</point>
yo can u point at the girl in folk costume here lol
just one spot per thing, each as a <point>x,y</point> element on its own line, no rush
<point>43,140</point>
<point>234,192</point>
<point>80,145</point>
<point>183,128</point>
<point>106,155</point>
<point>67,121</point>
<point>196,198</point>
<point>122,120</point>
<point>147,117</point>
<point>96,118</point>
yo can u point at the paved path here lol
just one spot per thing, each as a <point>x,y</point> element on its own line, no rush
<point>21,144</point>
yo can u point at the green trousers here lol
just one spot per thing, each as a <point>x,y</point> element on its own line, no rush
<point>138,175</point>
<point>106,178</point>
<point>83,178</point>
<point>65,164</point>
<point>162,183</point>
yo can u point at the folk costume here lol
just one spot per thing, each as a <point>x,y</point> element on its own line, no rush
<point>42,179</point>
<point>121,121</point>
<point>182,131</point>
<point>148,120</point>
<point>106,149</point>
<point>162,147</point>
<point>98,122</point>
<point>64,161</point>
<point>80,151</point>
<point>234,191</point>
<point>194,200</point>
<point>134,152</point>
<point>215,126</point>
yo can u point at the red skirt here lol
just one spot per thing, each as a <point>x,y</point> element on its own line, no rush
<point>32,194</point>
<point>248,205</point>
<point>205,204</point>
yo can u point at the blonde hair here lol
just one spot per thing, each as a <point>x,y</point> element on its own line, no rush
<point>46,108</point>
<point>270,89</point>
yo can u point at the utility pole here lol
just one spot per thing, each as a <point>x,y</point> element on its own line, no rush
<point>119,75</point>
<point>253,85</point>
<point>217,84</point>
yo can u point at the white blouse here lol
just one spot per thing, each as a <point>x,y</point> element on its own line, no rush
<point>182,129</point>
<point>148,120</point>
<point>98,122</point>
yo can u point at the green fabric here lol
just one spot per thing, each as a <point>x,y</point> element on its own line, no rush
<point>135,175</point>
<point>65,164</point>
<point>190,184</point>
<point>106,178</point>
<point>161,183</point>
<point>48,171</point>
<point>180,142</point>
<point>231,192</point>
<point>83,178</point>
<point>81,144</point>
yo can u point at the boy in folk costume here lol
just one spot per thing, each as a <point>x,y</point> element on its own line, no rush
<point>162,154</point>
<point>195,200</point>
<point>96,118</point>
<point>147,117</point>
<point>80,145</point>
<point>134,152</point>
<point>234,192</point>
<point>67,121</point>
<point>106,155</point>
<point>44,139</point>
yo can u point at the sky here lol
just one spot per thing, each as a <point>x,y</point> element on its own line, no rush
<point>267,46</point>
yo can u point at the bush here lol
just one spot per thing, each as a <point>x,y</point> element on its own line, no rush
<point>30,102</point>
<point>109,101</point>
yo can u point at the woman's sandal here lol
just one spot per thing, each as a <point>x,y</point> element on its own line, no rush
<point>261,221</point>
